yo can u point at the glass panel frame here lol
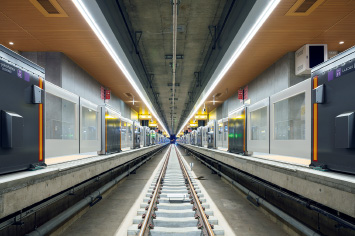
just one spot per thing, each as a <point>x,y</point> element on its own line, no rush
<point>259,145</point>
<point>289,118</point>
<point>59,146</point>
<point>90,130</point>
<point>297,148</point>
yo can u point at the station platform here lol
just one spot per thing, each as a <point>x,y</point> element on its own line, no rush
<point>109,217</point>
<point>23,189</point>
<point>332,189</point>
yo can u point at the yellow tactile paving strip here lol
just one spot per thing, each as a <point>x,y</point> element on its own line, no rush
<point>61,159</point>
<point>287,159</point>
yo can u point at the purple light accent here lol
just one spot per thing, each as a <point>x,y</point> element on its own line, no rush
<point>27,77</point>
<point>330,75</point>
<point>19,73</point>
<point>338,72</point>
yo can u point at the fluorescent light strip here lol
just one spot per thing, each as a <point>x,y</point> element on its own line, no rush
<point>91,21</point>
<point>263,17</point>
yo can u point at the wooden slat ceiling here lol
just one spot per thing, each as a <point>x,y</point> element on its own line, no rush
<point>30,30</point>
<point>23,24</point>
<point>331,22</point>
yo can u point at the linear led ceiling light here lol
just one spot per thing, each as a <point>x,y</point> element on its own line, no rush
<point>253,30</point>
<point>92,23</point>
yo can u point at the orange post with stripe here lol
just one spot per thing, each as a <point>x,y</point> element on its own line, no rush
<point>40,126</point>
<point>315,123</point>
<point>106,114</point>
<point>244,119</point>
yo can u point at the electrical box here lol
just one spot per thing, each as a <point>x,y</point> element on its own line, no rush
<point>237,135</point>
<point>147,137</point>
<point>199,136</point>
<point>309,56</point>
<point>211,134</point>
<point>193,137</point>
<point>152,137</point>
<point>111,130</point>
<point>21,113</point>
<point>333,113</point>
<point>137,135</point>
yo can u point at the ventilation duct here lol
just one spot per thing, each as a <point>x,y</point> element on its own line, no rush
<point>304,7</point>
<point>129,95</point>
<point>49,8</point>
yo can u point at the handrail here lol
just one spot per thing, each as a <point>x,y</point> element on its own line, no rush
<point>207,227</point>
<point>155,194</point>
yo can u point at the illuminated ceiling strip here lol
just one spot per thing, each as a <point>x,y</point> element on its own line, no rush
<point>91,21</point>
<point>260,21</point>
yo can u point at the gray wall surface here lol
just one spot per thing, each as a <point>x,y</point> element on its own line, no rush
<point>279,76</point>
<point>53,73</point>
<point>65,73</point>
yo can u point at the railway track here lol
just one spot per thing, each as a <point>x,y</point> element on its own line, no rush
<point>174,204</point>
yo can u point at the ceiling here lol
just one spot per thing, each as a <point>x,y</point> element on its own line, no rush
<point>70,35</point>
<point>156,42</point>
<point>331,22</point>
<point>20,22</point>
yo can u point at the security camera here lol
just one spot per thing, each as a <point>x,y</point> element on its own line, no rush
<point>204,110</point>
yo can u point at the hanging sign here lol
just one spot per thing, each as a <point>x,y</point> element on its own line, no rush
<point>240,94</point>
<point>108,94</point>
<point>246,92</point>
<point>102,93</point>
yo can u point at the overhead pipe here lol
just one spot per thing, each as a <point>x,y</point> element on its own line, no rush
<point>174,59</point>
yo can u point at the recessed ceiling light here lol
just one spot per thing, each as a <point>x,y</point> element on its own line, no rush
<point>11,43</point>
<point>341,42</point>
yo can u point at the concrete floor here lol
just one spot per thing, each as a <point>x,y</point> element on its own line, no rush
<point>242,216</point>
<point>106,217</point>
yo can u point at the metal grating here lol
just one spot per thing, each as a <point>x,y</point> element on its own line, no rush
<point>129,95</point>
<point>47,5</point>
<point>176,84</point>
<point>217,95</point>
<point>49,8</point>
<point>305,6</point>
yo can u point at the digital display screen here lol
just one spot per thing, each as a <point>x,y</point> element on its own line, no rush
<point>316,55</point>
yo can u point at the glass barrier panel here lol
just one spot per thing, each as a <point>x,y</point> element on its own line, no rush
<point>258,124</point>
<point>89,124</point>
<point>289,121</point>
<point>60,118</point>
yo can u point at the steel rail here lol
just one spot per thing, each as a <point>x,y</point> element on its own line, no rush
<point>206,224</point>
<point>143,230</point>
